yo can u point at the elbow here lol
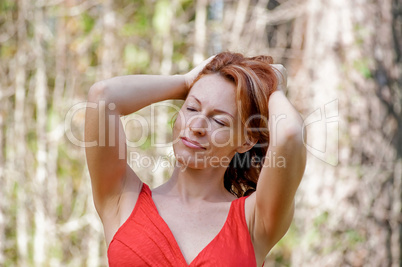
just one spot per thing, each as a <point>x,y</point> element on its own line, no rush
<point>97,92</point>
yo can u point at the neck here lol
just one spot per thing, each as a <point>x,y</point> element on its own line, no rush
<point>199,184</point>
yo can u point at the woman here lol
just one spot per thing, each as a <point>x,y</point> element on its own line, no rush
<point>212,211</point>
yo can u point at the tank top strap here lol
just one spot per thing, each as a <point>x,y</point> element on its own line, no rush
<point>238,214</point>
<point>145,197</point>
<point>145,189</point>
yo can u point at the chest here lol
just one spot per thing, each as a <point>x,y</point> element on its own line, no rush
<point>193,227</point>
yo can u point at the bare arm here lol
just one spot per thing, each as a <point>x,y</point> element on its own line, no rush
<point>107,162</point>
<point>281,176</point>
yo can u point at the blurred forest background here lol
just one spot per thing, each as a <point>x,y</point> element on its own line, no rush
<point>345,76</point>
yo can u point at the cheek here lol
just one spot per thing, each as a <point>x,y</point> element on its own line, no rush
<point>177,126</point>
<point>227,136</point>
<point>223,137</point>
<point>183,118</point>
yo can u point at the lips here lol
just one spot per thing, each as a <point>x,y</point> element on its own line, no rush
<point>192,144</point>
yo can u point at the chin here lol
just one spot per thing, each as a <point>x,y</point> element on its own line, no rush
<point>192,165</point>
<point>189,160</point>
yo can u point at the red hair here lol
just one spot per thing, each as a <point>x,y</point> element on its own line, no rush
<point>255,81</point>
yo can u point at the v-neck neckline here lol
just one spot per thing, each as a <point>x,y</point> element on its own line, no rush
<point>174,238</point>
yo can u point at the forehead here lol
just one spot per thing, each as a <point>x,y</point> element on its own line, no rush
<point>213,89</point>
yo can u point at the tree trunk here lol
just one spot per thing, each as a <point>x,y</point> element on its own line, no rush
<point>349,58</point>
<point>18,137</point>
<point>41,223</point>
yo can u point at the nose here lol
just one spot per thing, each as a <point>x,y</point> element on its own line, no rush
<point>198,125</point>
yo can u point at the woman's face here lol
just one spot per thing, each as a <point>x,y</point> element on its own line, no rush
<point>208,131</point>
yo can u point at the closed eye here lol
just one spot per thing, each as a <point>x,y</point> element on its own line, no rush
<point>219,122</point>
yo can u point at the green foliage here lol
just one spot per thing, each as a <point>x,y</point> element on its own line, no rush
<point>69,166</point>
<point>136,59</point>
<point>8,50</point>
<point>8,6</point>
<point>171,121</point>
<point>281,252</point>
<point>87,22</point>
<point>56,252</point>
<point>130,29</point>
<point>353,237</point>
<point>32,141</point>
<point>321,219</point>
<point>139,27</point>
<point>53,120</point>
<point>362,66</point>
<point>10,232</point>
<point>139,22</point>
<point>147,144</point>
<point>186,5</point>
<point>162,16</point>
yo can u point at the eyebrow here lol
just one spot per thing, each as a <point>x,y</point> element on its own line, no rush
<point>217,110</point>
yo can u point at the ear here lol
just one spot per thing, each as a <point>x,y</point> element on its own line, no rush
<point>247,145</point>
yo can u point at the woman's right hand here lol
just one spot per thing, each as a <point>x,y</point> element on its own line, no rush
<point>193,74</point>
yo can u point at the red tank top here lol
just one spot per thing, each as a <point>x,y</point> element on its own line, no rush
<point>146,240</point>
